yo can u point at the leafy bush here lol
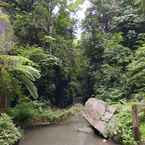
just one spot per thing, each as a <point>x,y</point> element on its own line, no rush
<point>23,113</point>
<point>136,73</point>
<point>9,134</point>
<point>53,115</point>
<point>29,112</point>
<point>142,130</point>
<point>142,126</point>
<point>123,130</point>
<point>111,78</point>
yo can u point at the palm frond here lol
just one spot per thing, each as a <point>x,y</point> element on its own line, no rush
<point>29,71</point>
<point>24,69</point>
<point>29,85</point>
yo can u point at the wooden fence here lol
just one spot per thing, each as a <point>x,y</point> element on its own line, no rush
<point>136,110</point>
<point>3,104</point>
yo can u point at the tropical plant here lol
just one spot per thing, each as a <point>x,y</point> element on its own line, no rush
<point>124,126</point>
<point>141,5</point>
<point>9,134</point>
<point>16,66</point>
<point>136,73</point>
<point>22,68</point>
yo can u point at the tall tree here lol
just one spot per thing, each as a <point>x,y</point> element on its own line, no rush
<point>12,66</point>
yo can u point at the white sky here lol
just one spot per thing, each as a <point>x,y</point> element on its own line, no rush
<point>80,15</point>
<point>83,8</point>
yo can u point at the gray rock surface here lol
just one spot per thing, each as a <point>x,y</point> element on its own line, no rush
<point>99,115</point>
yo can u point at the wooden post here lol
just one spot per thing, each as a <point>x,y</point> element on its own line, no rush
<point>135,116</point>
<point>3,104</point>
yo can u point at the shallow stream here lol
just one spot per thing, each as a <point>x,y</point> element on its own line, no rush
<point>76,131</point>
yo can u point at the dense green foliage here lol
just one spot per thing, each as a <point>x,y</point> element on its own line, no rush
<point>107,61</point>
<point>14,70</point>
<point>124,125</point>
<point>100,63</point>
<point>121,126</point>
<point>45,36</point>
<point>41,58</point>
<point>9,134</point>
<point>114,33</point>
<point>29,112</point>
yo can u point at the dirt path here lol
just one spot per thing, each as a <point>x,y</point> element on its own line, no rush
<point>74,132</point>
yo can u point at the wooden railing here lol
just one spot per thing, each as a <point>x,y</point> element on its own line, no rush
<point>136,110</point>
<point>3,104</point>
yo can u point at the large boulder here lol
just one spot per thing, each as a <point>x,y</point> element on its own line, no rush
<point>6,33</point>
<point>99,114</point>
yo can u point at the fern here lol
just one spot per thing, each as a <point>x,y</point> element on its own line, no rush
<point>141,5</point>
<point>23,69</point>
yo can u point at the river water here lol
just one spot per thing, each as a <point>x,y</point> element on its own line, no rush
<point>73,132</point>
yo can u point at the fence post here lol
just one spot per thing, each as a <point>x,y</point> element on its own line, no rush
<point>135,117</point>
<point>3,104</point>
